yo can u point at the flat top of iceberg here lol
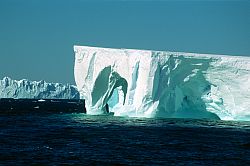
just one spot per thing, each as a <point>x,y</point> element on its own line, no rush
<point>76,47</point>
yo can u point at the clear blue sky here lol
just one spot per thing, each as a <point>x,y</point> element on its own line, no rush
<point>37,36</point>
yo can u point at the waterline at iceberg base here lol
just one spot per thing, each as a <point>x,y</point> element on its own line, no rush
<point>144,83</point>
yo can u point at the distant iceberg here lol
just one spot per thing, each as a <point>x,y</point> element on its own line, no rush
<point>36,90</point>
<point>145,83</point>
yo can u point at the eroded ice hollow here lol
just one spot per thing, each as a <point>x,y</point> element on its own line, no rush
<point>145,83</point>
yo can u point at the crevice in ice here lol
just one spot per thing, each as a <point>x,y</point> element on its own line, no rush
<point>132,89</point>
<point>135,74</point>
<point>90,72</point>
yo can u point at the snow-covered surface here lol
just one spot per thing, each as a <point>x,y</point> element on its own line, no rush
<point>40,90</point>
<point>163,84</point>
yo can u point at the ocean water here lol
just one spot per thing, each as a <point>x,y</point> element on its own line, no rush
<point>79,139</point>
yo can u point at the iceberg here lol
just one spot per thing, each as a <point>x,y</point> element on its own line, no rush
<point>145,83</point>
<point>36,90</point>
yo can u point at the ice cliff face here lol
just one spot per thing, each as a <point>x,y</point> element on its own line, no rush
<point>163,84</point>
<point>40,90</point>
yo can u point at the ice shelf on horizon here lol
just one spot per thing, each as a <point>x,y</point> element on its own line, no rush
<point>36,90</point>
<point>144,83</point>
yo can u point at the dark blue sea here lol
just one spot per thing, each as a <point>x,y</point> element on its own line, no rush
<point>79,139</point>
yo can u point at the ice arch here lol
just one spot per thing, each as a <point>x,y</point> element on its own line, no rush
<point>105,84</point>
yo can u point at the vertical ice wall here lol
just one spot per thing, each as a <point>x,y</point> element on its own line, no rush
<point>163,84</point>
